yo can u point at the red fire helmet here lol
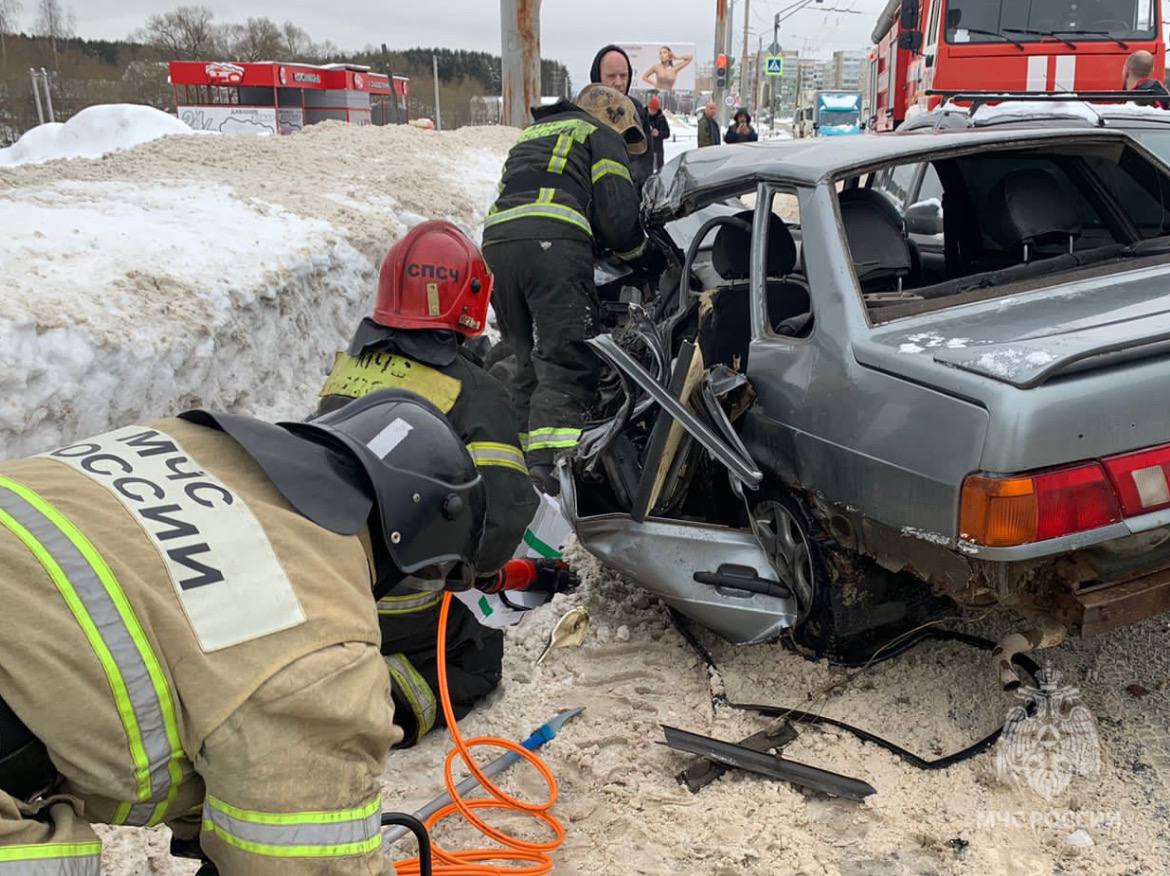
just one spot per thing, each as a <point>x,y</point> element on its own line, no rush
<point>434,278</point>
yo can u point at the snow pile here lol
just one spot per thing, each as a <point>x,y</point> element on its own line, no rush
<point>92,133</point>
<point>208,271</point>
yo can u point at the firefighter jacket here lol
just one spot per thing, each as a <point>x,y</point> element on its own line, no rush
<point>568,176</point>
<point>191,651</point>
<point>434,365</point>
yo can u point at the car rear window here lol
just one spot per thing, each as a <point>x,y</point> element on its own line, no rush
<point>935,235</point>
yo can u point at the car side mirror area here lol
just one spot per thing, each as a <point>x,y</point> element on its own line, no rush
<point>925,217</point>
<point>910,41</point>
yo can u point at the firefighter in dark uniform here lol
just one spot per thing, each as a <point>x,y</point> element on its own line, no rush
<point>433,293</point>
<point>566,190</point>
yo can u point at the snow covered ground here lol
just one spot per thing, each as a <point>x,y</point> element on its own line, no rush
<point>92,133</point>
<point>221,271</point>
<point>224,271</point>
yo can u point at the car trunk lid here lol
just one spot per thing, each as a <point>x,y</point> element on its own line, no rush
<point>1029,339</point>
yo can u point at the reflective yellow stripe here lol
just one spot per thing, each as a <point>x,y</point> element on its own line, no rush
<point>321,834</point>
<point>354,378</point>
<point>552,437</point>
<point>141,693</point>
<point>409,603</point>
<point>540,211</point>
<point>578,129</point>
<point>47,851</point>
<point>545,196</point>
<point>493,453</point>
<point>416,690</point>
<point>560,154</point>
<point>608,166</point>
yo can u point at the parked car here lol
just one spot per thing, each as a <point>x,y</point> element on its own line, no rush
<point>831,431</point>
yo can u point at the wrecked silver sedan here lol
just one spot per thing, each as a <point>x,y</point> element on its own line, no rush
<point>855,412</point>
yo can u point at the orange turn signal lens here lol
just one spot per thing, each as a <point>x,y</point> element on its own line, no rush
<point>998,512</point>
<point>1019,509</point>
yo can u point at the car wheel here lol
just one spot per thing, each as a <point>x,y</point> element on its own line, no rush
<point>785,535</point>
<point>849,607</point>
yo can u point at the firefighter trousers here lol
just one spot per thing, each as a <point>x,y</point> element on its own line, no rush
<point>475,657</point>
<point>547,307</point>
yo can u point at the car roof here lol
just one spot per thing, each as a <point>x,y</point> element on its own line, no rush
<point>699,173</point>
<point>1072,113</point>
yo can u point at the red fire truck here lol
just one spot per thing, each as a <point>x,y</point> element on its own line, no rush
<point>274,98</point>
<point>925,49</point>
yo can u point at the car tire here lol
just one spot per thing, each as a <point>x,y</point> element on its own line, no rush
<point>850,607</point>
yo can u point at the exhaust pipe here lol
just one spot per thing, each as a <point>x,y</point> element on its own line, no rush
<point>1014,644</point>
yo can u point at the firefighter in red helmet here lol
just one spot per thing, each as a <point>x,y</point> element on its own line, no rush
<point>433,293</point>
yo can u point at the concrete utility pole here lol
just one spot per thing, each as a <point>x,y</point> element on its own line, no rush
<point>33,75</point>
<point>438,110</point>
<point>743,60</point>
<point>717,93</point>
<point>48,95</point>
<point>520,60</point>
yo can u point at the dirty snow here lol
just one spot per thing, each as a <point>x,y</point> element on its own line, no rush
<point>1061,109</point>
<point>920,343</point>
<point>1010,362</point>
<point>217,271</point>
<point>92,133</point>
<point>625,813</point>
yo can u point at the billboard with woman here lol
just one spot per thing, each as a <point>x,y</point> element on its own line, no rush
<point>662,66</point>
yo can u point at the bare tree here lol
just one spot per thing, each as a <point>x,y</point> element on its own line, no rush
<point>187,34</point>
<point>298,45</point>
<point>54,21</point>
<point>260,39</point>
<point>9,9</point>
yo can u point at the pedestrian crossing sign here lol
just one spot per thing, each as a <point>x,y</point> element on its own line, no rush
<point>775,66</point>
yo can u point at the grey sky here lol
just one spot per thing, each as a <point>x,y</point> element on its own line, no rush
<point>571,30</point>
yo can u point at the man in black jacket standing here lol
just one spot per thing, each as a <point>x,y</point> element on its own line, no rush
<point>740,130</point>
<point>659,131</point>
<point>566,188</point>
<point>612,67</point>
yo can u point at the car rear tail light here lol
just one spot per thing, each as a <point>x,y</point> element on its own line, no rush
<point>1142,480</point>
<point>1014,510</point>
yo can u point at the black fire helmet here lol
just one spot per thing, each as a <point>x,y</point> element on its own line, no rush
<point>389,460</point>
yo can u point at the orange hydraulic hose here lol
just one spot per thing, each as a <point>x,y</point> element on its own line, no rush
<point>537,857</point>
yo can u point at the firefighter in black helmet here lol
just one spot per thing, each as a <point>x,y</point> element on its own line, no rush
<point>566,190</point>
<point>189,635</point>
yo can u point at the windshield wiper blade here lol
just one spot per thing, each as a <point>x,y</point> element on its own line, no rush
<point>1104,33</point>
<point>995,33</point>
<point>1047,33</point>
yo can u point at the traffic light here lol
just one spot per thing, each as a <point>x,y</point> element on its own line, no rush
<point>721,71</point>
